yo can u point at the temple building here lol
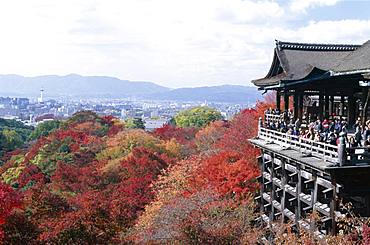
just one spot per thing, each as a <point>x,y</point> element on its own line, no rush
<point>315,85</point>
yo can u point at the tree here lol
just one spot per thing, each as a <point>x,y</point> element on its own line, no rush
<point>230,174</point>
<point>11,140</point>
<point>207,138</point>
<point>9,200</point>
<point>44,129</point>
<point>197,117</point>
<point>134,123</point>
<point>242,127</point>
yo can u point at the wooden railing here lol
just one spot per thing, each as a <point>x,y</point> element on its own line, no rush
<point>275,118</point>
<point>321,150</point>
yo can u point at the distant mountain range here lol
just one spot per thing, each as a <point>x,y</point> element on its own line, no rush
<point>223,93</point>
<point>77,86</point>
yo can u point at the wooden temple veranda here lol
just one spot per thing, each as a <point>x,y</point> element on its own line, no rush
<point>302,176</point>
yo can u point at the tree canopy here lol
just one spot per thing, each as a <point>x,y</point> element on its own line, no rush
<point>197,117</point>
<point>13,135</point>
<point>44,129</point>
<point>134,122</point>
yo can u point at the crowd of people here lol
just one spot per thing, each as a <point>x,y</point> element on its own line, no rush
<point>327,131</point>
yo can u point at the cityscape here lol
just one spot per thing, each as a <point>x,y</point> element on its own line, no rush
<point>32,111</point>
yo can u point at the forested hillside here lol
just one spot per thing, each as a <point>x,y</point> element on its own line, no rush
<point>13,135</point>
<point>94,181</point>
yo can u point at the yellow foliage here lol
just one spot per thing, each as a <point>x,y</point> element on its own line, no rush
<point>172,147</point>
<point>11,174</point>
<point>122,144</point>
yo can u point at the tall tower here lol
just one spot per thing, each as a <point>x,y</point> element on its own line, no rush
<point>41,98</point>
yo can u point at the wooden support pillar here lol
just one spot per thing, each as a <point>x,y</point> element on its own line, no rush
<point>298,210</point>
<point>283,183</point>
<point>331,106</point>
<point>326,113</point>
<point>365,104</point>
<point>321,104</point>
<point>272,193</point>
<point>341,112</point>
<point>262,189</point>
<point>296,104</point>
<point>286,101</point>
<point>333,206</point>
<point>286,104</point>
<point>314,200</point>
<point>278,100</point>
<point>351,109</point>
<point>300,105</point>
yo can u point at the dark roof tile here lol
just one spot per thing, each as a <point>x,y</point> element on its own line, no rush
<point>298,60</point>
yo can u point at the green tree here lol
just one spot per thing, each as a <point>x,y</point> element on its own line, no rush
<point>197,117</point>
<point>134,123</point>
<point>11,140</point>
<point>44,129</point>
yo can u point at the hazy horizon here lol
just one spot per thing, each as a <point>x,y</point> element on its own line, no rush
<point>123,79</point>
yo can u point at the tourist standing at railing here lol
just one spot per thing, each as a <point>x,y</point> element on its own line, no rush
<point>337,126</point>
<point>358,136</point>
<point>367,142</point>
<point>332,138</point>
<point>311,133</point>
<point>297,123</point>
<point>357,123</point>
<point>295,131</point>
<point>318,137</point>
<point>318,125</point>
<point>366,132</point>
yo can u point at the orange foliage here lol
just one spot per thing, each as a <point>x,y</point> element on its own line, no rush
<point>229,173</point>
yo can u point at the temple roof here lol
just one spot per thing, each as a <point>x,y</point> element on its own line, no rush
<point>297,61</point>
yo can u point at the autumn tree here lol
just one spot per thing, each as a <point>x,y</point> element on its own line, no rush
<point>9,200</point>
<point>242,127</point>
<point>208,137</point>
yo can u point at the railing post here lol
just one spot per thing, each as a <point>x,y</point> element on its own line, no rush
<point>341,150</point>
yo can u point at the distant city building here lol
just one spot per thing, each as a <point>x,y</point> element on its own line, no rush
<point>154,114</point>
<point>41,98</point>
<point>151,124</point>
<point>123,114</point>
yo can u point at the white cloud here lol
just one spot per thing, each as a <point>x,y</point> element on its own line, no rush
<point>300,6</point>
<point>173,42</point>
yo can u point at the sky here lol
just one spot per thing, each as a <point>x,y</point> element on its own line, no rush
<point>174,43</point>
